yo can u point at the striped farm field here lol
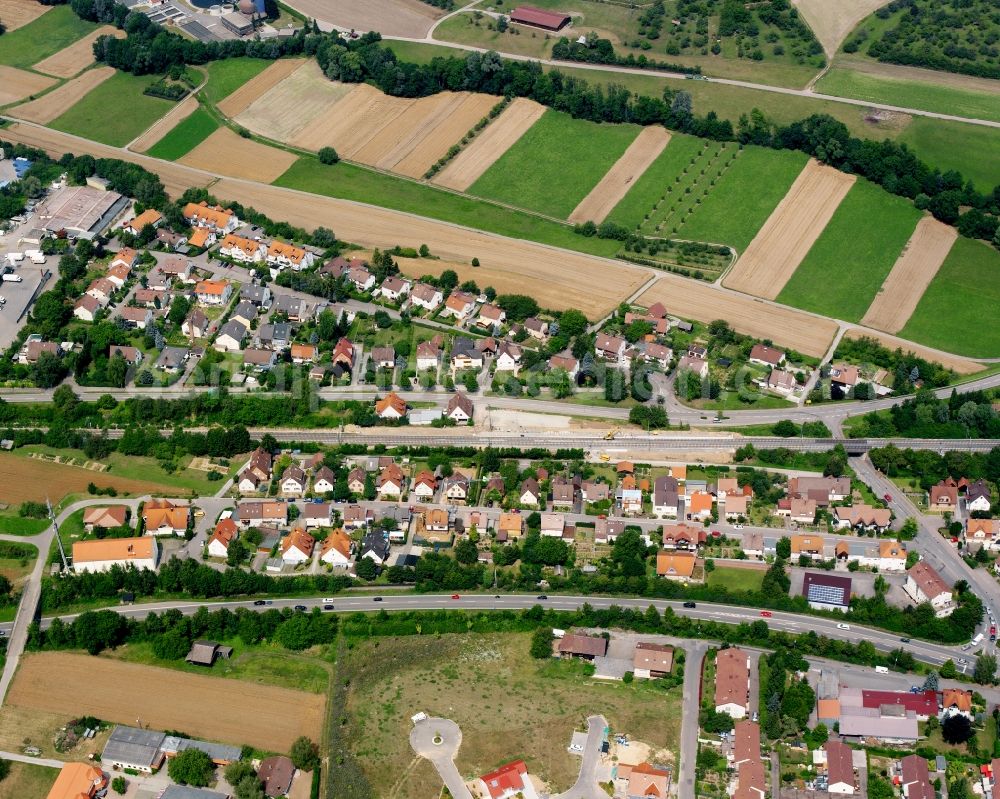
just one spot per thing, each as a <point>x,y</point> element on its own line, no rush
<point>555,164</point>
<point>43,36</point>
<point>51,105</point>
<point>844,269</point>
<point>227,153</point>
<point>191,127</point>
<point>783,242</point>
<point>17,84</point>
<point>18,13</point>
<point>243,84</point>
<point>78,56</point>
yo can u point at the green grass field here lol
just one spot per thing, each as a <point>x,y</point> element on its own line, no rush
<point>910,94</point>
<point>12,524</point>
<point>50,33</point>
<point>186,136</point>
<point>971,149</point>
<point>958,311</point>
<point>225,77</point>
<point>842,272</point>
<point>649,188</point>
<point>134,111</point>
<point>735,579</point>
<point>355,183</point>
<point>28,780</point>
<point>555,163</point>
<point>744,197</point>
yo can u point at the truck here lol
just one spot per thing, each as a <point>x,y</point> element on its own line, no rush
<point>10,277</point>
<point>977,640</point>
<point>36,256</point>
<point>14,258</point>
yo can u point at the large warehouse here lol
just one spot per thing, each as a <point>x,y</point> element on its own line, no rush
<point>539,18</point>
<point>81,212</point>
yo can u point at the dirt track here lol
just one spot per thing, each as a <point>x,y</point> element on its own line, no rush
<point>78,56</point>
<point>410,18</point>
<point>619,179</point>
<point>492,142</point>
<point>16,84</point>
<point>832,21</point>
<point>788,327</point>
<point>911,275</point>
<point>239,100</point>
<point>964,366</point>
<point>18,13</point>
<point>165,124</point>
<point>45,109</point>
<point>791,229</point>
<point>227,153</point>
<point>218,709</point>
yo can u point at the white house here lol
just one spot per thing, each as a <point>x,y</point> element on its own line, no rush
<point>336,550</point>
<point>297,547</point>
<point>244,251</point>
<point>100,554</point>
<point>426,296</point>
<point>924,584</point>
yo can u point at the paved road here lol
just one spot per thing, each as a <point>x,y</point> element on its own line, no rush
<point>690,711</point>
<point>438,740</point>
<point>586,785</point>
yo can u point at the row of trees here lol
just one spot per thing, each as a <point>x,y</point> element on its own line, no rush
<point>930,467</point>
<point>968,415</point>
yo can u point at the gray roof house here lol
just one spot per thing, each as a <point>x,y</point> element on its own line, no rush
<point>172,359</point>
<point>130,747</point>
<point>188,792</point>
<point>258,295</point>
<point>289,305</point>
<point>274,336</point>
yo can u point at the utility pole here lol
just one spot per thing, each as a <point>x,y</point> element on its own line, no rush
<point>55,526</point>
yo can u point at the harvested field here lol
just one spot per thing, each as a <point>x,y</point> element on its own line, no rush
<point>264,716</point>
<point>29,479</point>
<point>55,103</point>
<point>964,366</point>
<point>240,100</point>
<point>16,84</point>
<point>18,13</point>
<point>911,275</point>
<point>165,124</point>
<point>226,153</point>
<point>492,142</point>
<point>287,105</point>
<point>619,179</point>
<point>692,299</point>
<point>408,18</point>
<point>778,249</point>
<point>78,56</point>
<point>831,22</point>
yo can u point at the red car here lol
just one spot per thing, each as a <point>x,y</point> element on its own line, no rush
<point>766,614</point>
<point>887,497</point>
<point>455,596</point>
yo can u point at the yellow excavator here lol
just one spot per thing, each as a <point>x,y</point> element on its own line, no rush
<point>611,434</point>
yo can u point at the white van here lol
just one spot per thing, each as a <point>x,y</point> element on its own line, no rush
<point>881,669</point>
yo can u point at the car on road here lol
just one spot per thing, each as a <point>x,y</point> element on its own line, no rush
<point>301,608</point>
<point>455,596</point>
<point>327,607</point>
<point>690,604</point>
<point>541,596</point>
<point>962,661</point>
<point>843,626</point>
<point>904,640</point>
<point>993,632</point>
<point>260,602</point>
<point>887,497</point>
<point>755,716</point>
<point>376,599</point>
<point>766,614</point>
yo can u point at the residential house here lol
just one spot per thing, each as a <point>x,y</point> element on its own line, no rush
<point>606,530</point>
<point>343,354</point>
<point>823,490</point>
<point>163,517</point>
<point>375,546</point>
<point>956,701</point>
<point>245,312</point>
<point>798,510</point>
<point>86,307</point>
<point>630,501</point>
<point>356,480</point>
<point>101,554</point>
<point>138,223</point>
<point>231,337</point>
<point>766,356</point>
<point>507,782</point>
<point>34,347</point>
<point>292,307</point>
<point>132,355</point>
<point>220,220</point>
<point>459,408</point>
<point>944,496</point>
<point>391,406</point>
<point>293,482</point>
<point>563,493</point>
<point>536,328</point>
<point>196,325</point>
<point>675,565</point>
<point>826,591</point>
<point>732,682</point>
<point>202,238</point>
<point>426,296</point>
<point>297,547</point>
<point>424,485</point>
<point>650,661</point>
<point>510,526</point>
<point>658,354</point>
<point>566,362</point>
<point>924,584</point>
<point>459,305</point>
<point>170,240</point>
<point>275,336</point>
<point>260,296</point>
<point>139,318</point>
<point>255,513</point>
<point>213,292</point>
<point>746,743</point>
<point>336,550</point>
<point>355,517</point>
<point>530,493</point>
<point>490,316</point>
<point>390,482</point>
<point>810,545</point>
<point>844,376</point>
<point>383,357</point>
<point>362,280</point>
<point>222,536</point>
<point>176,268</point>
<point>304,353</point>
<point>259,360</point>
<point>683,536</point>
<point>611,348</point>
<point>593,491</point>
<point>456,488</point>
<point>281,255</point>
<point>261,463</point>
<point>428,355</point>
<point>105,517</point>
<point>736,506</point>
<point>698,505</point>
<point>553,525</point>
<point>101,289</point>
<point>464,354</point>
<point>978,497</point>
<point>915,779</point>
<point>508,357</point>
<point>151,298</point>
<point>118,274</point>
<point>172,359</point>
<point>863,517</point>
<point>394,288</point>
<point>583,647</point>
<point>242,250</point>
<point>646,781</point>
<point>781,382</point>
<point>324,480</point>
<point>276,774</point>
<point>839,768</point>
<point>982,531</point>
<point>689,363</point>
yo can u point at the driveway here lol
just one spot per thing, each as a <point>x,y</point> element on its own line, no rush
<point>586,786</point>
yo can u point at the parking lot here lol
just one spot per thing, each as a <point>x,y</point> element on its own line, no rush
<point>19,295</point>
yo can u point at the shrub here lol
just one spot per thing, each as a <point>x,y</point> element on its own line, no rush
<point>327,155</point>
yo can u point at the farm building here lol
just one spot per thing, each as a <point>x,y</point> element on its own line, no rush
<point>99,555</point>
<point>539,18</point>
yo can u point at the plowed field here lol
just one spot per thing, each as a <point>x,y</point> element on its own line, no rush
<point>28,479</point>
<point>16,84</point>
<point>78,56</point>
<point>45,109</point>
<point>226,153</point>
<point>240,100</point>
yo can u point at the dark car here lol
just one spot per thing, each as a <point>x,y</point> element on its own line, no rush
<point>541,596</point>
<point>260,602</point>
<point>327,607</point>
<point>690,604</point>
<point>376,599</point>
<point>904,640</point>
<point>301,608</point>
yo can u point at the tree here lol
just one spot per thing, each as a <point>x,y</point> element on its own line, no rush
<point>191,767</point>
<point>119,785</point>
<point>366,569</point>
<point>541,643</point>
<point>959,789</point>
<point>304,754</point>
<point>466,551</point>
<point>786,428</point>
<point>985,670</point>
<point>783,549</point>
<point>948,670</point>
<point>327,155</point>
<point>239,770</point>
<point>117,371</point>
<point>956,729</point>
<point>930,682</point>
<point>448,280</point>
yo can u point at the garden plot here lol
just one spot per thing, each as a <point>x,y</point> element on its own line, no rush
<point>78,56</point>
<point>241,99</point>
<point>54,104</point>
<point>226,153</point>
<point>16,84</point>
<point>789,233</point>
<point>492,142</point>
<point>911,275</point>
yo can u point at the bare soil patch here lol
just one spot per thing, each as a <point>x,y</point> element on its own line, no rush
<point>226,153</point>
<point>26,479</point>
<point>264,716</point>
<point>793,227</point>
<point>619,179</point>
<point>18,13</point>
<point>16,84</point>
<point>964,366</point>
<point>693,299</point>
<point>911,275</point>
<point>832,21</point>
<point>408,18</point>
<point>259,84</point>
<point>165,124</point>
<point>401,131</point>
<point>293,103</point>
<point>45,109</point>
<point>78,56</point>
<point>492,142</point>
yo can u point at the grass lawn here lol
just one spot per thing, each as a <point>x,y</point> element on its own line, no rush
<point>473,679</point>
<point>12,524</point>
<point>26,780</point>
<point>744,197</point>
<point>842,272</point>
<point>50,33</point>
<point>735,579</point>
<point>910,94</point>
<point>555,163</point>
<point>731,401</point>
<point>16,561</point>
<point>186,136</point>
<point>958,311</point>
<point>134,113</point>
<point>264,665</point>
<point>647,191</point>
<point>226,76</point>
<point>352,182</point>
<point>971,149</point>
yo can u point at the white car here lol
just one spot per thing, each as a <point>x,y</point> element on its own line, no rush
<point>843,626</point>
